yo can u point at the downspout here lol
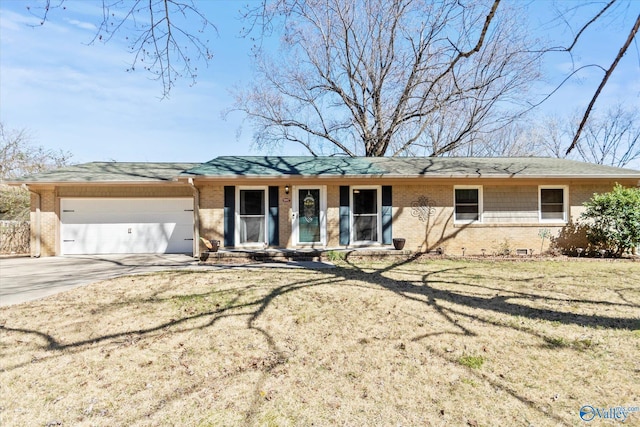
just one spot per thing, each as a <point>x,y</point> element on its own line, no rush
<point>38,222</point>
<point>196,219</point>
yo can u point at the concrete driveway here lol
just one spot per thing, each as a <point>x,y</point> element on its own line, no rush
<point>26,279</point>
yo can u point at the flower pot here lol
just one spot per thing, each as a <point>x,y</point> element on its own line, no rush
<point>212,245</point>
<point>398,244</point>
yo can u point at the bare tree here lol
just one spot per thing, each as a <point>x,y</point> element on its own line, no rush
<point>157,31</point>
<point>19,157</point>
<point>600,12</point>
<point>513,140</point>
<point>376,77</point>
<point>605,78</point>
<point>611,139</point>
<point>551,136</point>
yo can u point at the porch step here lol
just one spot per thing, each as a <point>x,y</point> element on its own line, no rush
<point>286,255</point>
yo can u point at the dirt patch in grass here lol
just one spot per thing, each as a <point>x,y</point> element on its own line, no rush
<point>436,342</point>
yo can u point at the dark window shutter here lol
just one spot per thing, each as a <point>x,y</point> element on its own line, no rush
<point>387,215</point>
<point>229,216</point>
<point>344,215</point>
<point>273,227</point>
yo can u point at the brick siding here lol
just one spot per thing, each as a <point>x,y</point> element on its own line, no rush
<point>510,218</point>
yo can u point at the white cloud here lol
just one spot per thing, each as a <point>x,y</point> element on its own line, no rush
<point>80,99</point>
<point>83,25</point>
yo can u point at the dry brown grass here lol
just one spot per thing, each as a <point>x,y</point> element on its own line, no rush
<point>436,342</point>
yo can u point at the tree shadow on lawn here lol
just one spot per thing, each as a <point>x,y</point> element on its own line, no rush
<point>423,290</point>
<point>498,303</point>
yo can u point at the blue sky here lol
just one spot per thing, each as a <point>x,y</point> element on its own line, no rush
<point>78,98</point>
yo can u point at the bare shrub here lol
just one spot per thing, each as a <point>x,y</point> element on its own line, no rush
<point>14,237</point>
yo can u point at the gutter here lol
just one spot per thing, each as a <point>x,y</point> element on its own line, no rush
<point>38,221</point>
<point>196,218</point>
<point>418,177</point>
<point>85,182</point>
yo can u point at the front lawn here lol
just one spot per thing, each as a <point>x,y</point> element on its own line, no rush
<point>428,342</point>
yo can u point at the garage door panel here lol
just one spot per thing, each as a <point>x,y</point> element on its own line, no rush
<point>81,239</point>
<point>122,217</point>
<point>161,238</point>
<point>178,240</point>
<point>104,226</point>
<point>128,205</point>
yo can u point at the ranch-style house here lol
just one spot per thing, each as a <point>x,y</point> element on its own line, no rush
<point>454,205</point>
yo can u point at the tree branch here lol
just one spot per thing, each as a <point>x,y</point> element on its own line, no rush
<point>608,73</point>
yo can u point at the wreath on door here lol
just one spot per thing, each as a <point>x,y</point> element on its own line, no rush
<point>309,204</point>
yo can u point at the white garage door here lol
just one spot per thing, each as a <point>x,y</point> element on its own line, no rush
<point>124,226</point>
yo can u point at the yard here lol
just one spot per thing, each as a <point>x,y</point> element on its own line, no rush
<point>428,342</point>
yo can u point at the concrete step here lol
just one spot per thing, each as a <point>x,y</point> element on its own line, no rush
<point>285,255</point>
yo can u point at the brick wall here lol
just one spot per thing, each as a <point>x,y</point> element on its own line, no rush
<point>125,191</point>
<point>333,216</point>
<point>422,214</point>
<point>212,212</point>
<point>503,227</point>
<point>45,227</point>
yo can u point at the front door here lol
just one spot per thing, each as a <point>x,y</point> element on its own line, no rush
<point>309,223</point>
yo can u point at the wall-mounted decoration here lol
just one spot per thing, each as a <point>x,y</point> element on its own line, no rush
<point>422,208</point>
<point>309,207</point>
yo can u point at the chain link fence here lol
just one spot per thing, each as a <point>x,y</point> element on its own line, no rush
<point>14,237</point>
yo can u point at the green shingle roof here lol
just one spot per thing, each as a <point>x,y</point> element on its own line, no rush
<point>110,172</point>
<point>286,166</point>
<point>273,166</point>
<point>353,167</point>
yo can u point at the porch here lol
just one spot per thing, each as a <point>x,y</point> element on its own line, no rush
<point>243,256</point>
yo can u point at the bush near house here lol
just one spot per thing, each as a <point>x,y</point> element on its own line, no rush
<point>14,220</point>
<point>613,219</point>
<point>14,237</point>
<point>14,203</point>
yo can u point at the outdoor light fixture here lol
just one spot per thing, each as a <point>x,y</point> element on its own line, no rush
<point>286,189</point>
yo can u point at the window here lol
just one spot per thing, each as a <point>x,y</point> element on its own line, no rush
<point>553,204</point>
<point>366,214</point>
<point>468,204</point>
<point>252,216</point>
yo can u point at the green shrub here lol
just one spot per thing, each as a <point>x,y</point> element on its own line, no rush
<point>336,256</point>
<point>613,219</point>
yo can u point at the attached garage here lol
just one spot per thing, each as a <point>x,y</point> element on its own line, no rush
<point>253,202</point>
<point>126,225</point>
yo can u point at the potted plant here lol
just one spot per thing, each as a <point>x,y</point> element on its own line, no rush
<point>398,243</point>
<point>212,245</point>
